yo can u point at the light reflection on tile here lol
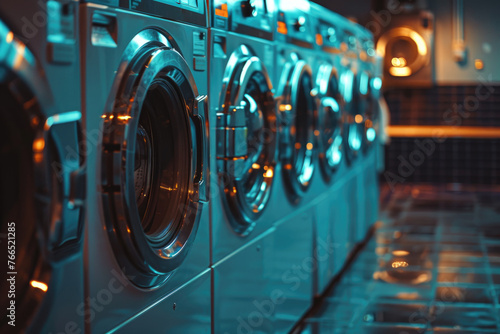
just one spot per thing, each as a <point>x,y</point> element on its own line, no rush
<point>464,294</point>
<point>434,268</point>
<point>464,317</point>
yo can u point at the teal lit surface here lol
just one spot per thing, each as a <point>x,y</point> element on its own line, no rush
<point>377,83</point>
<point>371,134</point>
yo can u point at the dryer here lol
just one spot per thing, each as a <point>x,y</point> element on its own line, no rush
<point>42,173</point>
<point>147,238</point>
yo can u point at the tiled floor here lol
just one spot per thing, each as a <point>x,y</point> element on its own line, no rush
<point>432,266</point>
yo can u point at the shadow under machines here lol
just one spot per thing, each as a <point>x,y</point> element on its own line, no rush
<point>143,204</point>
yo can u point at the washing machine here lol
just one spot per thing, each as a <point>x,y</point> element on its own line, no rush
<point>299,183</point>
<point>370,84</point>
<point>331,226</point>
<point>331,102</point>
<point>244,137</point>
<point>243,122</point>
<point>350,88</point>
<point>42,173</point>
<point>296,55</point>
<point>147,238</point>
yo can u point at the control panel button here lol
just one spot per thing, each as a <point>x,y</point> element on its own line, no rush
<point>248,9</point>
<point>300,24</point>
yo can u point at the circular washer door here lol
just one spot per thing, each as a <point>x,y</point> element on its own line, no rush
<point>330,121</point>
<point>404,50</point>
<point>298,115</point>
<point>39,222</point>
<point>246,139</point>
<point>152,168</point>
<point>353,118</point>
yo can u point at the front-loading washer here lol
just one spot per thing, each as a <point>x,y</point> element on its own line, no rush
<point>244,139</point>
<point>295,58</point>
<point>330,100</point>
<point>354,125</point>
<point>147,238</point>
<point>353,132</point>
<point>295,192</point>
<point>370,85</point>
<point>243,123</point>
<point>331,225</point>
<point>42,175</point>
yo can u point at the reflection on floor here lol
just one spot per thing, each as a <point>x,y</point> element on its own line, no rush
<point>432,266</point>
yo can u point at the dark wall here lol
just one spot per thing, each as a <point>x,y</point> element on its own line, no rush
<point>354,8</point>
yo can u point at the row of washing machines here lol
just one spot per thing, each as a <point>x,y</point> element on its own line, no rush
<point>181,166</point>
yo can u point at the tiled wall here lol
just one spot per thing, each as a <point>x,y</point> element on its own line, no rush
<point>478,105</point>
<point>455,160</point>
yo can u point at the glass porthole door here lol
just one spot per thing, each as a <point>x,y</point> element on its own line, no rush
<point>298,114</point>
<point>153,160</point>
<point>246,139</point>
<point>330,121</point>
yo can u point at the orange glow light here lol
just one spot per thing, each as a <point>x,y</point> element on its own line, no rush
<point>38,157</point>
<point>398,62</point>
<point>399,264</point>
<point>19,56</point>
<point>285,107</point>
<point>124,118</point>
<point>10,37</point>
<point>412,131</point>
<point>316,133</point>
<point>309,146</point>
<point>255,166</point>
<point>479,64</point>
<point>297,146</point>
<point>39,285</point>
<point>358,119</point>
<point>269,173</point>
<point>400,71</point>
<point>400,253</point>
<point>38,145</point>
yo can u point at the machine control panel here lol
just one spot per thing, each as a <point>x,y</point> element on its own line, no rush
<point>187,11</point>
<point>294,26</point>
